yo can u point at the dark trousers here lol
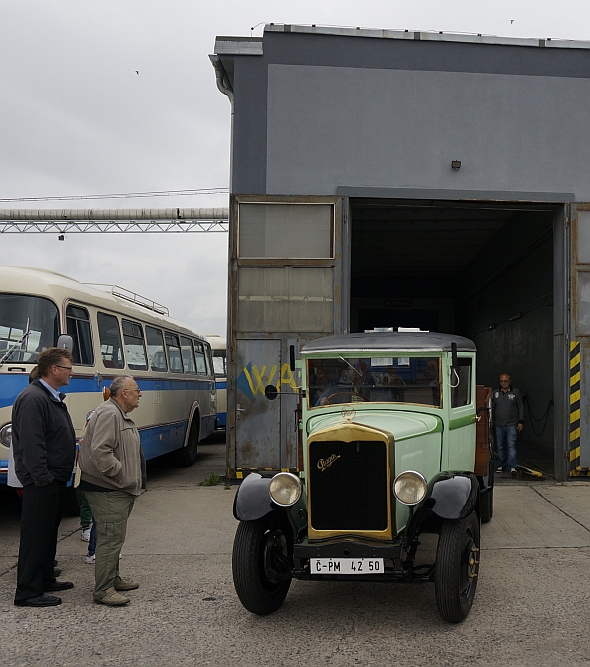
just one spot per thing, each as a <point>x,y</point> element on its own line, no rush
<point>41,514</point>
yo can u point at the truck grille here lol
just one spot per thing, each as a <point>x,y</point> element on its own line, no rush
<point>348,487</point>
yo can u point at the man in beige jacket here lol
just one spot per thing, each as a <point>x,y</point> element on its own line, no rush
<point>113,470</point>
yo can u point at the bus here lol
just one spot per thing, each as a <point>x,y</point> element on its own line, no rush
<point>218,345</point>
<point>114,332</point>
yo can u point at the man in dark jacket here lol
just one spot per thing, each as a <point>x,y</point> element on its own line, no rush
<point>508,420</point>
<point>44,447</point>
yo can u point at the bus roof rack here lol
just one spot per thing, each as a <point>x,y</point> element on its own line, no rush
<point>133,297</point>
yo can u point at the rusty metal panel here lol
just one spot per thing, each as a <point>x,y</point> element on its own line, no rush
<point>258,420</point>
<point>275,302</point>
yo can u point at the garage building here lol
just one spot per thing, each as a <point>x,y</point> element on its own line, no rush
<point>408,179</point>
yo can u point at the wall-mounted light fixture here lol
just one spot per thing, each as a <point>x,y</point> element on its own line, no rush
<point>491,327</point>
<point>61,237</point>
<point>456,165</point>
<point>516,316</point>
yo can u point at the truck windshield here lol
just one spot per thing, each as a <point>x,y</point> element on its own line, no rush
<point>391,379</point>
<point>42,317</point>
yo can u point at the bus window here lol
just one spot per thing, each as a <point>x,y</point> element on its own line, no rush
<point>134,346</point>
<point>15,312</point>
<point>78,327</point>
<point>110,341</point>
<point>200,357</point>
<point>156,352</point>
<point>219,363</point>
<point>208,359</point>
<point>174,355</point>
<point>187,355</point>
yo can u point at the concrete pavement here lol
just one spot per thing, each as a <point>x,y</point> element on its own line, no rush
<point>531,607</point>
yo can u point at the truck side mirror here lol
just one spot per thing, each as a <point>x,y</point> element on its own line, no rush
<point>454,360</point>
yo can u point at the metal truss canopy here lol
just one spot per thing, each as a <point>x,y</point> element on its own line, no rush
<point>127,221</point>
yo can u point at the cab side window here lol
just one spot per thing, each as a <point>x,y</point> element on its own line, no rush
<point>461,384</point>
<point>78,327</point>
<point>110,341</point>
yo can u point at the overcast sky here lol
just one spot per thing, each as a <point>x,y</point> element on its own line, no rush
<point>76,119</point>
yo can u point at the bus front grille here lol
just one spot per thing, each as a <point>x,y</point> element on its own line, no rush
<point>348,486</point>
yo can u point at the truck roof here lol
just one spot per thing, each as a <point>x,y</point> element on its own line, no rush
<point>389,341</point>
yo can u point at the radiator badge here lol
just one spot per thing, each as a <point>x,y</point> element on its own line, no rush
<point>326,463</point>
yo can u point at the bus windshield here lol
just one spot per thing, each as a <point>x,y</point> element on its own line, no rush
<point>42,317</point>
<point>391,379</point>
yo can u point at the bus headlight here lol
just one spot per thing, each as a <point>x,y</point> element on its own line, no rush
<point>285,489</point>
<point>410,487</point>
<point>6,435</point>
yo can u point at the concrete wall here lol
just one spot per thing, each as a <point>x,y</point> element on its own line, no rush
<point>318,112</point>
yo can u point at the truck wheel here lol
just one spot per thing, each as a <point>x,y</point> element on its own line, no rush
<point>486,505</point>
<point>457,567</point>
<point>261,565</point>
<point>72,502</point>
<point>185,457</point>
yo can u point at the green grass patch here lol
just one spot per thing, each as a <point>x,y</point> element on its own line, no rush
<point>213,480</point>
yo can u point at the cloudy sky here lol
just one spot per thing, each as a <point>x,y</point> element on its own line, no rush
<point>76,119</point>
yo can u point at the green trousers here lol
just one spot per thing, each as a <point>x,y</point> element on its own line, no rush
<point>110,510</point>
<point>85,511</point>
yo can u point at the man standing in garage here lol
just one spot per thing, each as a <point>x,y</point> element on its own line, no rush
<point>508,422</point>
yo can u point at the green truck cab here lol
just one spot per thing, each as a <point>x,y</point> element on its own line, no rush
<point>388,443</point>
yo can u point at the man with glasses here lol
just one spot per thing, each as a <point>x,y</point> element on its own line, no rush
<point>44,448</point>
<point>508,421</point>
<point>113,474</point>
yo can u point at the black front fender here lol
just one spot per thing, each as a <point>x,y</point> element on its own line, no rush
<point>453,495</point>
<point>252,500</point>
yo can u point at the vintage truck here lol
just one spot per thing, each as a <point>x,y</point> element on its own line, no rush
<point>388,427</point>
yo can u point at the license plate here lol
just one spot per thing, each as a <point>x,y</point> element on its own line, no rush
<point>346,565</point>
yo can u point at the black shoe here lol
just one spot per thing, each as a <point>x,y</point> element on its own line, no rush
<point>39,601</point>
<point>57,586</point>
<point>56,572</point>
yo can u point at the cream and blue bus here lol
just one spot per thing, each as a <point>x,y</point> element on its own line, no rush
<point>114,332</point>
<point>218,346</point>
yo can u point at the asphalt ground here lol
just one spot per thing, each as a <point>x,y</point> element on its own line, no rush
<point>532,605</point>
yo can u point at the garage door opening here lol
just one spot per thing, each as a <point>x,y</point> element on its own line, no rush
<point>480,270</point>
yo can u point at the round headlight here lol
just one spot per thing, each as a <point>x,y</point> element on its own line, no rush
<point>410,487</point>
<point>285,489</point>
<point>6,435</point>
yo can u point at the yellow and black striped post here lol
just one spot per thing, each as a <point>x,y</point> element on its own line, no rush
<point>575,469</point>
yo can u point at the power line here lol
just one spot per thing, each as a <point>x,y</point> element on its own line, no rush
<point>125,195</point>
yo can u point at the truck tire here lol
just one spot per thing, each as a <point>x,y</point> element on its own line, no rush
<point>486,505</point>
<point>185,457</point>
<point>457,567</point>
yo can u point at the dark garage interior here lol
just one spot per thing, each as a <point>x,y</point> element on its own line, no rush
<point>483,270</point>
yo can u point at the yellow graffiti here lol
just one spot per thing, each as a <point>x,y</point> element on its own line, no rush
<point>287,377</point>
<point>257,384</point>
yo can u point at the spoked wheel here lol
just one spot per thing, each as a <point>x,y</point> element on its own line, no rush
<point>457,567</point>
<point>261,564</point>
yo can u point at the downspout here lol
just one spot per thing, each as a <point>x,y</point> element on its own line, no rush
<point>224,87</point>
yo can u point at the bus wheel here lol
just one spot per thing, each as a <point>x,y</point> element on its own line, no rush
<point>71,502</point>
<point>185,457</point>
